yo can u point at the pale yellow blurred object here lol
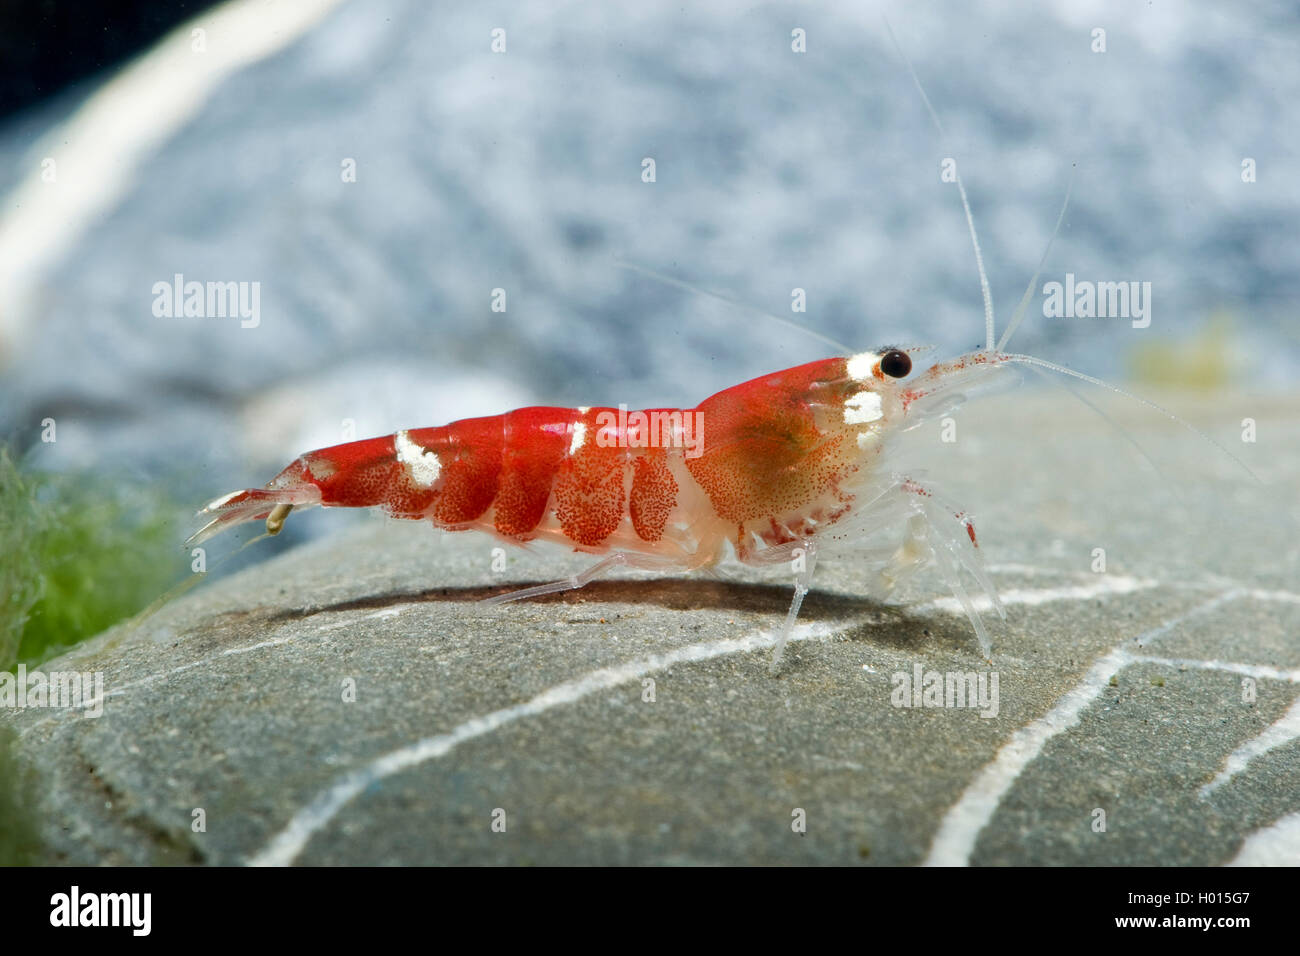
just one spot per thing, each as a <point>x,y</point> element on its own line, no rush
<point>1205,362</point>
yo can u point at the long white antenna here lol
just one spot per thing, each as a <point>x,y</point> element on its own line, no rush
<point>699,290</point>
<point>961,189</point>
<point>1063,370</point>
<point>1169,485</point>
<point>1019,314</point>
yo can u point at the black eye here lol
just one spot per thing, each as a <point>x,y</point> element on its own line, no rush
<point>895,363</point>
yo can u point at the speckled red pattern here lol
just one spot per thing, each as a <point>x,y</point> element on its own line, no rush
<point>536,440</point>
<point>763,455</point>
<point>359,471</point>
<point>654,494</point>
<point>589,495</point>
<point>763,452</point>
<point>470,454</point>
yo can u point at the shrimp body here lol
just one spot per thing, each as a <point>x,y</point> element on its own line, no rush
<point>778,469</point>
<point>780,451</point>
<point>787,461</point>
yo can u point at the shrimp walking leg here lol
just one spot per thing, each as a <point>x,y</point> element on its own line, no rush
<point>962,546</point>
<point>619,559</point>
<point>913,552</point>
<point>947,566</point>
<point>802,582</point>
<point>927,540</point>
<point>936,532</point>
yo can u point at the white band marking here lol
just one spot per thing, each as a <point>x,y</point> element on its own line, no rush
<point>423,464</point>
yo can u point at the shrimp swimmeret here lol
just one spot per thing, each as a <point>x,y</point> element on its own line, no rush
<point>782,469</point>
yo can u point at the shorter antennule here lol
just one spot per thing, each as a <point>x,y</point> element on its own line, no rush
<point>841,348</point>
<point>961,190</point>
<point>1018,316</point>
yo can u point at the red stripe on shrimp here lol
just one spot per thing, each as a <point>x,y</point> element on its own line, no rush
<point>589,492</point>
<point>765,453</point>
<point>654,494</point>
<point>469,452</point>
<point>536,442</point>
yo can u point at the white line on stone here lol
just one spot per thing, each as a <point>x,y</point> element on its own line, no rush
<point>1029,570</point>
<point>285,846</point>
<point>121,689</point>
<point>1287,597</point>
<point>275,642</point>
<point>1104,585</point>
<point>1281,732</point>
<point>350,621</point>
<point>965,820</point>
<point>1276,845</point>
<point>1229,667</point>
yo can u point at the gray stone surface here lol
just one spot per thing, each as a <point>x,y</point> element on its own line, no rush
<point>230,698</point>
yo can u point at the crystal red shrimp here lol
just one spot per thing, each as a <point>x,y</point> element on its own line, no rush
<point>787,461</point>
<point>782,468</point>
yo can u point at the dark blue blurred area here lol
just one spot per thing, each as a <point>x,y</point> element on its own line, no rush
<point>49,45</point>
